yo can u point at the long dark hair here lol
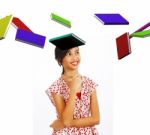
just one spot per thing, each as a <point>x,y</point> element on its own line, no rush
<point>59,55</point>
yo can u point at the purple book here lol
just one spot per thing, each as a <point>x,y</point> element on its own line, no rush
<point>143,27</point>
<point>112,19</point>
<point>30,38</point>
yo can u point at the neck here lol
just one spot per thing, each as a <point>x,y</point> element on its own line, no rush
<point>71,73</point>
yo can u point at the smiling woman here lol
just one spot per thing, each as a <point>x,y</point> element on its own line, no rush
<point>71,60</point>
<point>74,97</point>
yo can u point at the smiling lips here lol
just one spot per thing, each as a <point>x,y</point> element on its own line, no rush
<point>75,63</point>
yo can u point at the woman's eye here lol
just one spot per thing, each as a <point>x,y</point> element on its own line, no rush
<point>68,54</point>
<point>77,52</point>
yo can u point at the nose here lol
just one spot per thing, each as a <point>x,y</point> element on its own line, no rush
<point>74,57</point>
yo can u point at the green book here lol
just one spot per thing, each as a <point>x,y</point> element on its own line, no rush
<point>4,25</point>
<point>60,20</point>
<point>141,34</point>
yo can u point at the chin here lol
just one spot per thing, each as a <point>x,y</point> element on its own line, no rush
<point>74,68</point>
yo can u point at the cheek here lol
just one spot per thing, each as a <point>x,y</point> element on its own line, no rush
<point>79,58</point>
<point>65,61</point>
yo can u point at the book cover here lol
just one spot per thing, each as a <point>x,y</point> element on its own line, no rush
<point>141,34</point>
<point>143,27</point>
<point>30,38</point>
<point>17,23</point>
<point>123,45</point>
<point>67,41</point>
<point>4,25</point>
<point>111,19</point>
<point>60,20</point>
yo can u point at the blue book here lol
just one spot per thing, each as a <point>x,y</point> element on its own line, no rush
<point>30,38</point>
<point>112,19</point>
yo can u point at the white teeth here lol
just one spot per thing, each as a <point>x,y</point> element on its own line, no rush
<point>74,63</point>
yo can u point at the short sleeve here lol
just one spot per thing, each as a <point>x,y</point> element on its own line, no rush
<point>92,85</point>
<point>53,89</point>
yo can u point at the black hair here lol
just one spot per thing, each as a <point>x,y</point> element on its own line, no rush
<point>59,55</point>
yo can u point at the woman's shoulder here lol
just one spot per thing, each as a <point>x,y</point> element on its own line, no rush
<point>90,82</point>
<point>54,88</point>
<point>55,85</point>
<point>87,79</point>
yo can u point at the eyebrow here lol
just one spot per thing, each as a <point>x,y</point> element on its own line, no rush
<point>77,49</point>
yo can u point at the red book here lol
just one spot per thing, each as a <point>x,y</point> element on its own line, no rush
<point>123,45</point>
<point>78,94</point>
<point>19,24</point>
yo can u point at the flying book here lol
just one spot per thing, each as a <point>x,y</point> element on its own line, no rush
<point>67,41</point>
<point>140,29</point>
<point>60,20</point>
<point>4,25</point>
<point>112,19</point>
<point>123,45</point>
<point>141,34</point>
<point>143,27</point>
<point>19,24</point>
<point>30,38</point>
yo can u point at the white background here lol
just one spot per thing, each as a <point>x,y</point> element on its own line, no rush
<point>27,71</point>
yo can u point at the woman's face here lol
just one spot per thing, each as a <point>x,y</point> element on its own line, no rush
<point>71,59</point>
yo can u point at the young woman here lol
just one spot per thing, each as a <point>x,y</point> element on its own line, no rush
<point>74,97</point>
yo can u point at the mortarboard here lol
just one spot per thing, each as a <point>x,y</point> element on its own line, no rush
<point>67,41</point>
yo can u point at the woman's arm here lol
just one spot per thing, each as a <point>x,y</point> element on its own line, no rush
<point>88,121</point>
<point>91,120</point>
<point>64,111</point>
<point>68,111</point>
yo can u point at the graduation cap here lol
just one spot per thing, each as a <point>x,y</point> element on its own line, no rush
<point>67,41</point>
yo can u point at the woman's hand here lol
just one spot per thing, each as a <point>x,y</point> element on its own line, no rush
<point>57,125</point>
<point>75,84</point>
